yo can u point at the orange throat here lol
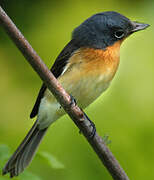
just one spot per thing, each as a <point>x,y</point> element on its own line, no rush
<point>102,62</point>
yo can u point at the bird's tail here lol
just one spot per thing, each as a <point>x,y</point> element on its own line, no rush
<point>25,152</point>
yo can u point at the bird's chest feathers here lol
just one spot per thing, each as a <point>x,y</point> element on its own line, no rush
<point>102,63</point>
<point>97,64</point>
<point>89,72</point>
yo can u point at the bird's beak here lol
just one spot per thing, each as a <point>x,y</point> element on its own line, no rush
<point>138,26</point>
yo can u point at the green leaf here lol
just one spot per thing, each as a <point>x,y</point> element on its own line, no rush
<point>28,176</point>
<point>106,139</point>
<point>4,178</point>
<point>4,155</point>
<point>53,162</point>
<point>4,152</point>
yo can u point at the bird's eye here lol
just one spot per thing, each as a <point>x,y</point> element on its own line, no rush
<point>119,34</point>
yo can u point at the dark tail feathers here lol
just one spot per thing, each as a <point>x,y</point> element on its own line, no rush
<point>25,152</point>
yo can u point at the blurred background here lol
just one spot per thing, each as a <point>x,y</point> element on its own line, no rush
<point>125,112</point>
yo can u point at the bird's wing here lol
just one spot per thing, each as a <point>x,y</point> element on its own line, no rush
<point>57,70</point>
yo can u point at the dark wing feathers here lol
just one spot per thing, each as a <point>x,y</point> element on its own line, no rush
<point>56,69</point>
<point>37,102</point>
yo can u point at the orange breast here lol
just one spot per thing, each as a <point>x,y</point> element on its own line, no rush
<point>89,72</point>
<point>98,61</point>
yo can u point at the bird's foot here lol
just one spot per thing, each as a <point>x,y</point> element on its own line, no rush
<point>73,100</point>
<point>92,125</point>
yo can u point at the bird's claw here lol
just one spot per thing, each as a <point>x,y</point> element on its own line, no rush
<point>93,131</point>
<point>73,100</point>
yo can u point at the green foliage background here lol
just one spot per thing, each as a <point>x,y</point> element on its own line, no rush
<point>125,111</point>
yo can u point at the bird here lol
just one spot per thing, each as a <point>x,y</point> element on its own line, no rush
<point>85,69</point>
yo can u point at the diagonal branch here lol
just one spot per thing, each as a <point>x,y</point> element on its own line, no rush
<point>76,114</point>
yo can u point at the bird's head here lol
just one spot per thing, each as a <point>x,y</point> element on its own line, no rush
<point>104,29</point>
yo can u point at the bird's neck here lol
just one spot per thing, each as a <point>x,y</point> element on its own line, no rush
<point>102,61</point>
<point>109,55</point>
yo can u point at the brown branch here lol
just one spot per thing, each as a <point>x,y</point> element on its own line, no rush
<point>77,115</point>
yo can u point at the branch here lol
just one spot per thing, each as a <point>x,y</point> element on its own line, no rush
<point>76,114</point>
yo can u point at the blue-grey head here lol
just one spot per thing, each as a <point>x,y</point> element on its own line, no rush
<point>104,29</point>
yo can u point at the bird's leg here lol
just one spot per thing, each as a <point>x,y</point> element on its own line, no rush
<point>92,134</point>
<point>93,131</point>
<point>73,100</point>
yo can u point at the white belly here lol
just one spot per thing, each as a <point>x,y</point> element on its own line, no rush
<point>86,90</point>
